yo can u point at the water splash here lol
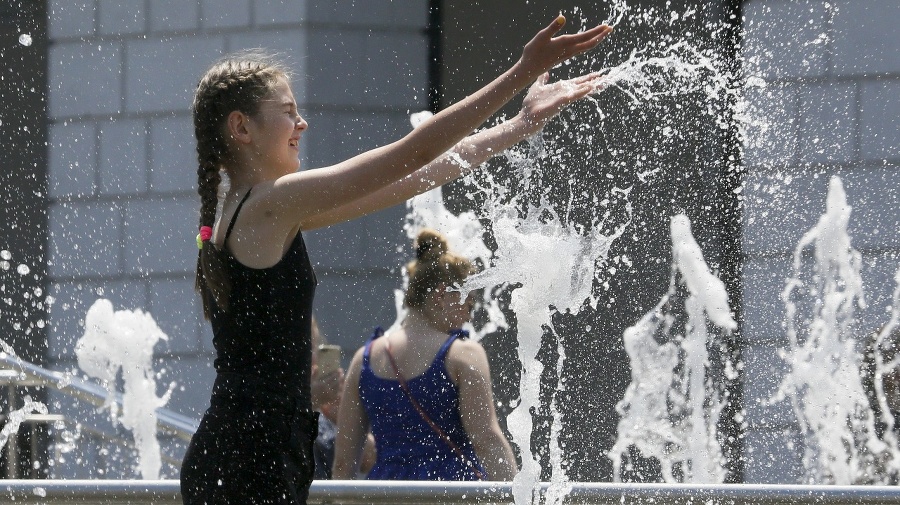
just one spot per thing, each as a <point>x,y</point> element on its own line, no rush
<point>676,70</point>
<point>15,418</point>
<point>671,408</point>
<point>530,226</point>
<point>523,247</point>
<point>841,445</point>
<point>524,243</point>
<point>121,342</point>
<point>885,345</point>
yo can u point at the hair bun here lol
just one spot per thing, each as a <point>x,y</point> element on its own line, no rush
<point>430,245</point>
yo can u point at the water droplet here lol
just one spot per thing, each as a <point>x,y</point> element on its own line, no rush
<point>25,39</point>
<point>23,269</point>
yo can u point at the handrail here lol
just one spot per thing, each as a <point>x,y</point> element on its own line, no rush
<point>30,374</point>
<point>164,492</point>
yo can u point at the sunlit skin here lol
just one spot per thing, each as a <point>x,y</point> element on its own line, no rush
<point>286,200</point>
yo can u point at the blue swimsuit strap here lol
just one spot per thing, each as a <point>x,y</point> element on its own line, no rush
<point>376,333</point>
<point>453,335</point>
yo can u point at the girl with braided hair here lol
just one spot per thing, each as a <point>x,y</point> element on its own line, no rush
<point>254,443</point>
<point>422,388</point>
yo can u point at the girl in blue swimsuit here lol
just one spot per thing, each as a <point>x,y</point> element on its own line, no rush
<point>423,389</point>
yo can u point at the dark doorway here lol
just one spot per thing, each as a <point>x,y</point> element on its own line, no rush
<point>23,209</point>
<point>23,176</point>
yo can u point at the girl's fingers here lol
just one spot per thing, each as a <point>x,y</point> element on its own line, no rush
<point>593,41</point>
<point>583,91</point>
<point>554,27</point>
<point>593,76</point>
<point>597,32</point>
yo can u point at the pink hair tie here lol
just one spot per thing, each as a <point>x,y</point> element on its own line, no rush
<point>204,235</point>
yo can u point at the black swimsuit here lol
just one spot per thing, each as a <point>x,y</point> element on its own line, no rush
<point>254,444</point>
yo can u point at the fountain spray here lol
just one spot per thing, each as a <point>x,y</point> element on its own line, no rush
<point>841,446</point>
<point>121,342</point>
<point>671,408</point>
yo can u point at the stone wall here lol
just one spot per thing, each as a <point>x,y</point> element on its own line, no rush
<point>829,105</point>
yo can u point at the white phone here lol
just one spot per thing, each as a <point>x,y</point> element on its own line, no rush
<point>328,358</point>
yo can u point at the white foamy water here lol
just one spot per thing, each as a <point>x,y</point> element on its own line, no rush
<point>524,246</point>
<point>671,412</point>
<point>550,261</point>
<point>119,343</point>
<point>823,384</point>
<point>15,418</point>
<point>885,343</point>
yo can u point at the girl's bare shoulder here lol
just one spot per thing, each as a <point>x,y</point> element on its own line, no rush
<point>466,356</point>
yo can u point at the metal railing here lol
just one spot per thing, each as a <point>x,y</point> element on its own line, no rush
<point>29,374</point>
<point>90,492</point>
<point>16,373</point>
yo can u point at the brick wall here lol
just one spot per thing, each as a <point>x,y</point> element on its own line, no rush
<point>122,164</point>
<point>829,107</point>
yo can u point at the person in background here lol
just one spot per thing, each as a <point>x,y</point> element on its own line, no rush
<point>254,275</point>
<point>423,388</point>
<point>888,351</point>
<point>326,398</point>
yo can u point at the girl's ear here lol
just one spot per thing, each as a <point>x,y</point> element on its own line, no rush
<point>237,127</point>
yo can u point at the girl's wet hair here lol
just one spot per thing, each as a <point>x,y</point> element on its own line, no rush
<point>434,265</point>
<point>237,82</point>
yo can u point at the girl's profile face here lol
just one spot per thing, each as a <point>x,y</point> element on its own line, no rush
<point>277,128</point>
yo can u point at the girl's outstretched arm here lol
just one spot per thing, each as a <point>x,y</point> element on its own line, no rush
<point>299,197</point>
<point>543,101</point>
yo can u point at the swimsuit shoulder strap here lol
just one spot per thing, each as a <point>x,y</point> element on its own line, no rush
<point>235,215</point>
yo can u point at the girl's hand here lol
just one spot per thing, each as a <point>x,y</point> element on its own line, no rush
<point>545,51</point>
<point>546,99</point>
